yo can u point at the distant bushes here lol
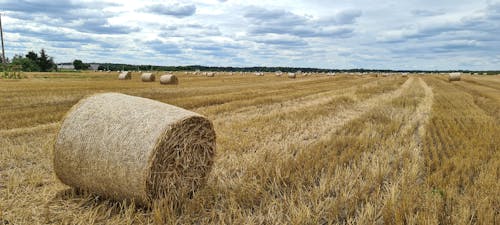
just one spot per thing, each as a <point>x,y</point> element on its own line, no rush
<point>33,62</point>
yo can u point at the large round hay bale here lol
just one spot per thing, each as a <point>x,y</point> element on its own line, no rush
<point>292,75</point>
<point>125,147</point>
<point>454,77</point>
<point>148,77</point>
<point>125,75</point>
<point>210,74</point>
<point>168,79</point>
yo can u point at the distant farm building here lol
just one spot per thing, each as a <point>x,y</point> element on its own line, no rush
<point>94,66</point>
<point>65,66</point>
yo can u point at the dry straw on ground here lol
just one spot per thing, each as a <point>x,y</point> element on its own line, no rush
<point>126,147</point>
<point>168,79</point>
<point>454,77</point>
<point>148,77</point>
<point>125,75</point>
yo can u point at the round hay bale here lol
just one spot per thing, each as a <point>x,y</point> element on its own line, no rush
<point>148,77</point>
<point>210,74</point>
<point>454,77</point>
<point>292,75</point>
<point>168,79</point>
<point>125,147</point>
<point>125,75</point>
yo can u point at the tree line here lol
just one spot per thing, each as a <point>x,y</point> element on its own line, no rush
<point>33,62</point>
<point>129,67</point>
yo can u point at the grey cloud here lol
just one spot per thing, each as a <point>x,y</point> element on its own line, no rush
<point>284,42</point>
<point>82,16</point>
<point>67,10</point>
<point>208,45</point>
<point>164,47</point>
<point>50,35</point>
<point>218,52</point>
<point>68,45</point>
<point>274,17</point>
<point>176,10</point>
<point>101,26</point>
<point>42,7</point>
<point>189,30</point>
<point>283,22</point>
<point>426,13</point>
<point>342,18</point>
<point>61,39</point>
<point>477,27</point>
<point>223,54</point>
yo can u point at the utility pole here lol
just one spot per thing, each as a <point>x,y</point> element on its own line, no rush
<point>1,34</point>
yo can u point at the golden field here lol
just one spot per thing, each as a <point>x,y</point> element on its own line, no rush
<point>313,150</point>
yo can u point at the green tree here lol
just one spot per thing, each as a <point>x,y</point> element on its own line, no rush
<point>32,56</point>
<point>45,62</point>
<point>79,65</point>
<point>27,64</point>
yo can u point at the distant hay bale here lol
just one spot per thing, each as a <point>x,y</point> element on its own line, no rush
<point>125,147</point>
<point>291,75</point>
<point>210,74</point>
<point>454,77</point>
<point>125,75</point>
<point>148,77</point>
<point>168,79</point>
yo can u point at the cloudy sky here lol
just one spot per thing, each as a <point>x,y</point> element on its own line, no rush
<point>392,34</point>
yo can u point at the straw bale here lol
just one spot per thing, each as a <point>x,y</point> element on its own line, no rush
<point>168,79</point>
<point>148,77</point>
<point>454,77</point>
<point>125,75</point>
<point>125,147</point>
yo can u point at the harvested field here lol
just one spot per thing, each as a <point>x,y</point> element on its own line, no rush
<point>312,150</point>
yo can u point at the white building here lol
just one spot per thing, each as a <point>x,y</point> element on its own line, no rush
<point>65,66</point>
<point>94,66</point>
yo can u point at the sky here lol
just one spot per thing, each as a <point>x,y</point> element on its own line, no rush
<point>342,34</point>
